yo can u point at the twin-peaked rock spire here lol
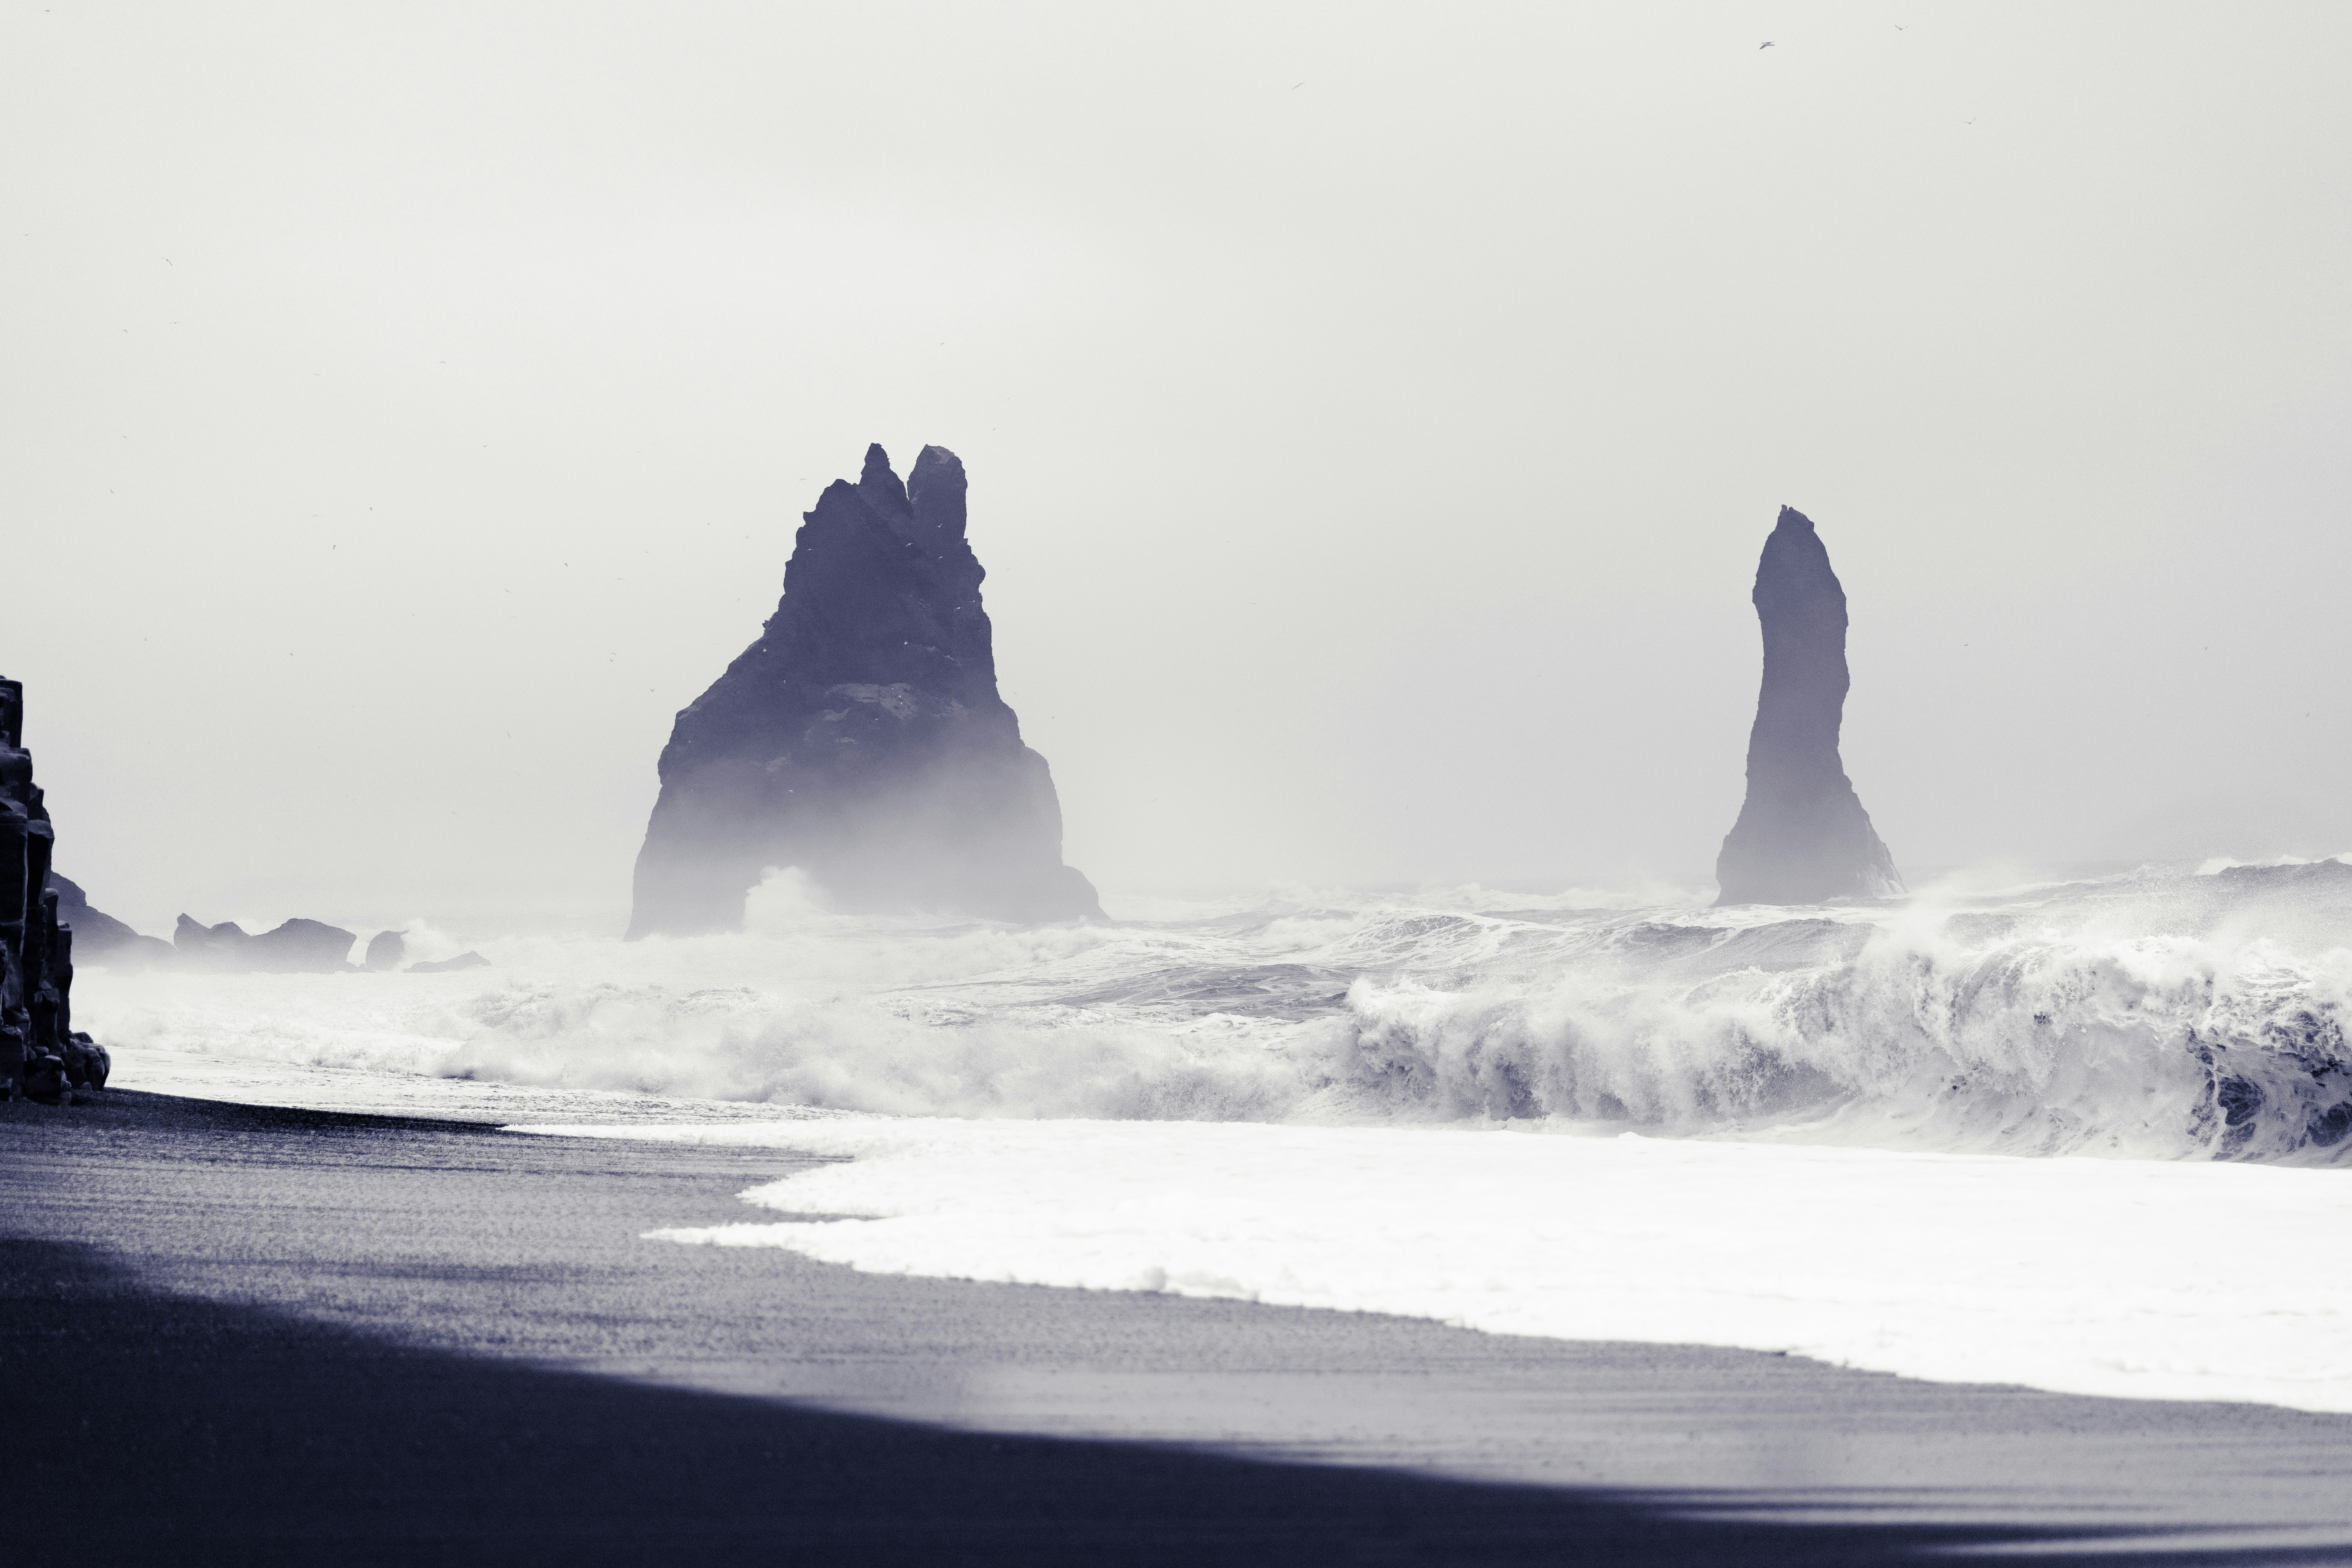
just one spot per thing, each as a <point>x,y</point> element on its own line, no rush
<point>861,738</point>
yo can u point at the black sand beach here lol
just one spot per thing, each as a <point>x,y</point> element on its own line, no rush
<point>253,1335</point>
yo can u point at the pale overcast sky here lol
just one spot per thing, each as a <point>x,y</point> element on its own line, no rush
<point>1373,414</point>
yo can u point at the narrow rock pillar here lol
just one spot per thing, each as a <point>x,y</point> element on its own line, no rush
<point>1803,837</point>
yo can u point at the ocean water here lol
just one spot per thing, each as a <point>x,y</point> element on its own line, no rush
<point>2178,1013</point>
<point>2086,1136</point>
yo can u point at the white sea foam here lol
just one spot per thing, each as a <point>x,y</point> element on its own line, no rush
<point>2162,1015</point>
<point>2188,1280</point>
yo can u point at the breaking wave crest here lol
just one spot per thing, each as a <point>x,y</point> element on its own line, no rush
<point>2163,1014</point>
<point>2048,1042</point>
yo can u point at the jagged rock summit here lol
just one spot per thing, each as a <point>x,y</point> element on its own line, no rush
<point>861,738</point>
<point>1803,837</point>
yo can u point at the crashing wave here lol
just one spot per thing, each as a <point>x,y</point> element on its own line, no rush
<point>2162,1015</point>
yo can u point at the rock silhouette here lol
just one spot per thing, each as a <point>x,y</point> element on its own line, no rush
<point>861,738</point>
<point>448,965</point>
<point>1803,837</point>
<point>385,949</point>
<point>99,935</point>
<point>41,1054</point>
<point>297,947</point>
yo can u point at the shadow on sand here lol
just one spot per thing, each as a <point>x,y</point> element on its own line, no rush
<point>146,1428</point>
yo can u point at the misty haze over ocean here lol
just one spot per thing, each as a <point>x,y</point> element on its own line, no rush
<point>1503,745</point>
<point>1372,418</point>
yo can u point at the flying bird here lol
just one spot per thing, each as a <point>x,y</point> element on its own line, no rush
<point>1765,44</point>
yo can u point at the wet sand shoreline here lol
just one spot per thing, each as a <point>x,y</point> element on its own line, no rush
<point>293,1333</point>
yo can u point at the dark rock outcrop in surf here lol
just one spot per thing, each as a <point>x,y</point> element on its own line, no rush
<point>1803,837</point>
<point>41,1054</point>
<point>296,947</point>
<point>861,738</point>
<point>450,965</point>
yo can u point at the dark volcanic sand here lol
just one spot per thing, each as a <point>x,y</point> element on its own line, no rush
<point>240,1334</point>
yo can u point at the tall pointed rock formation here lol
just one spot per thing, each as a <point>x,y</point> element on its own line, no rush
<point>1802,838</point>
<point>861,739</point>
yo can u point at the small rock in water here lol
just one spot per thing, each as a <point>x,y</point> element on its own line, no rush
<point>198,940</point>
<point>303,947</point>
<point>386,949</point>
<point>297,947</point>
<point>443,966</point>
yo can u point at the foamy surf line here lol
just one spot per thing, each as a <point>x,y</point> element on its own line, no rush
<point>2140,1279</point>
